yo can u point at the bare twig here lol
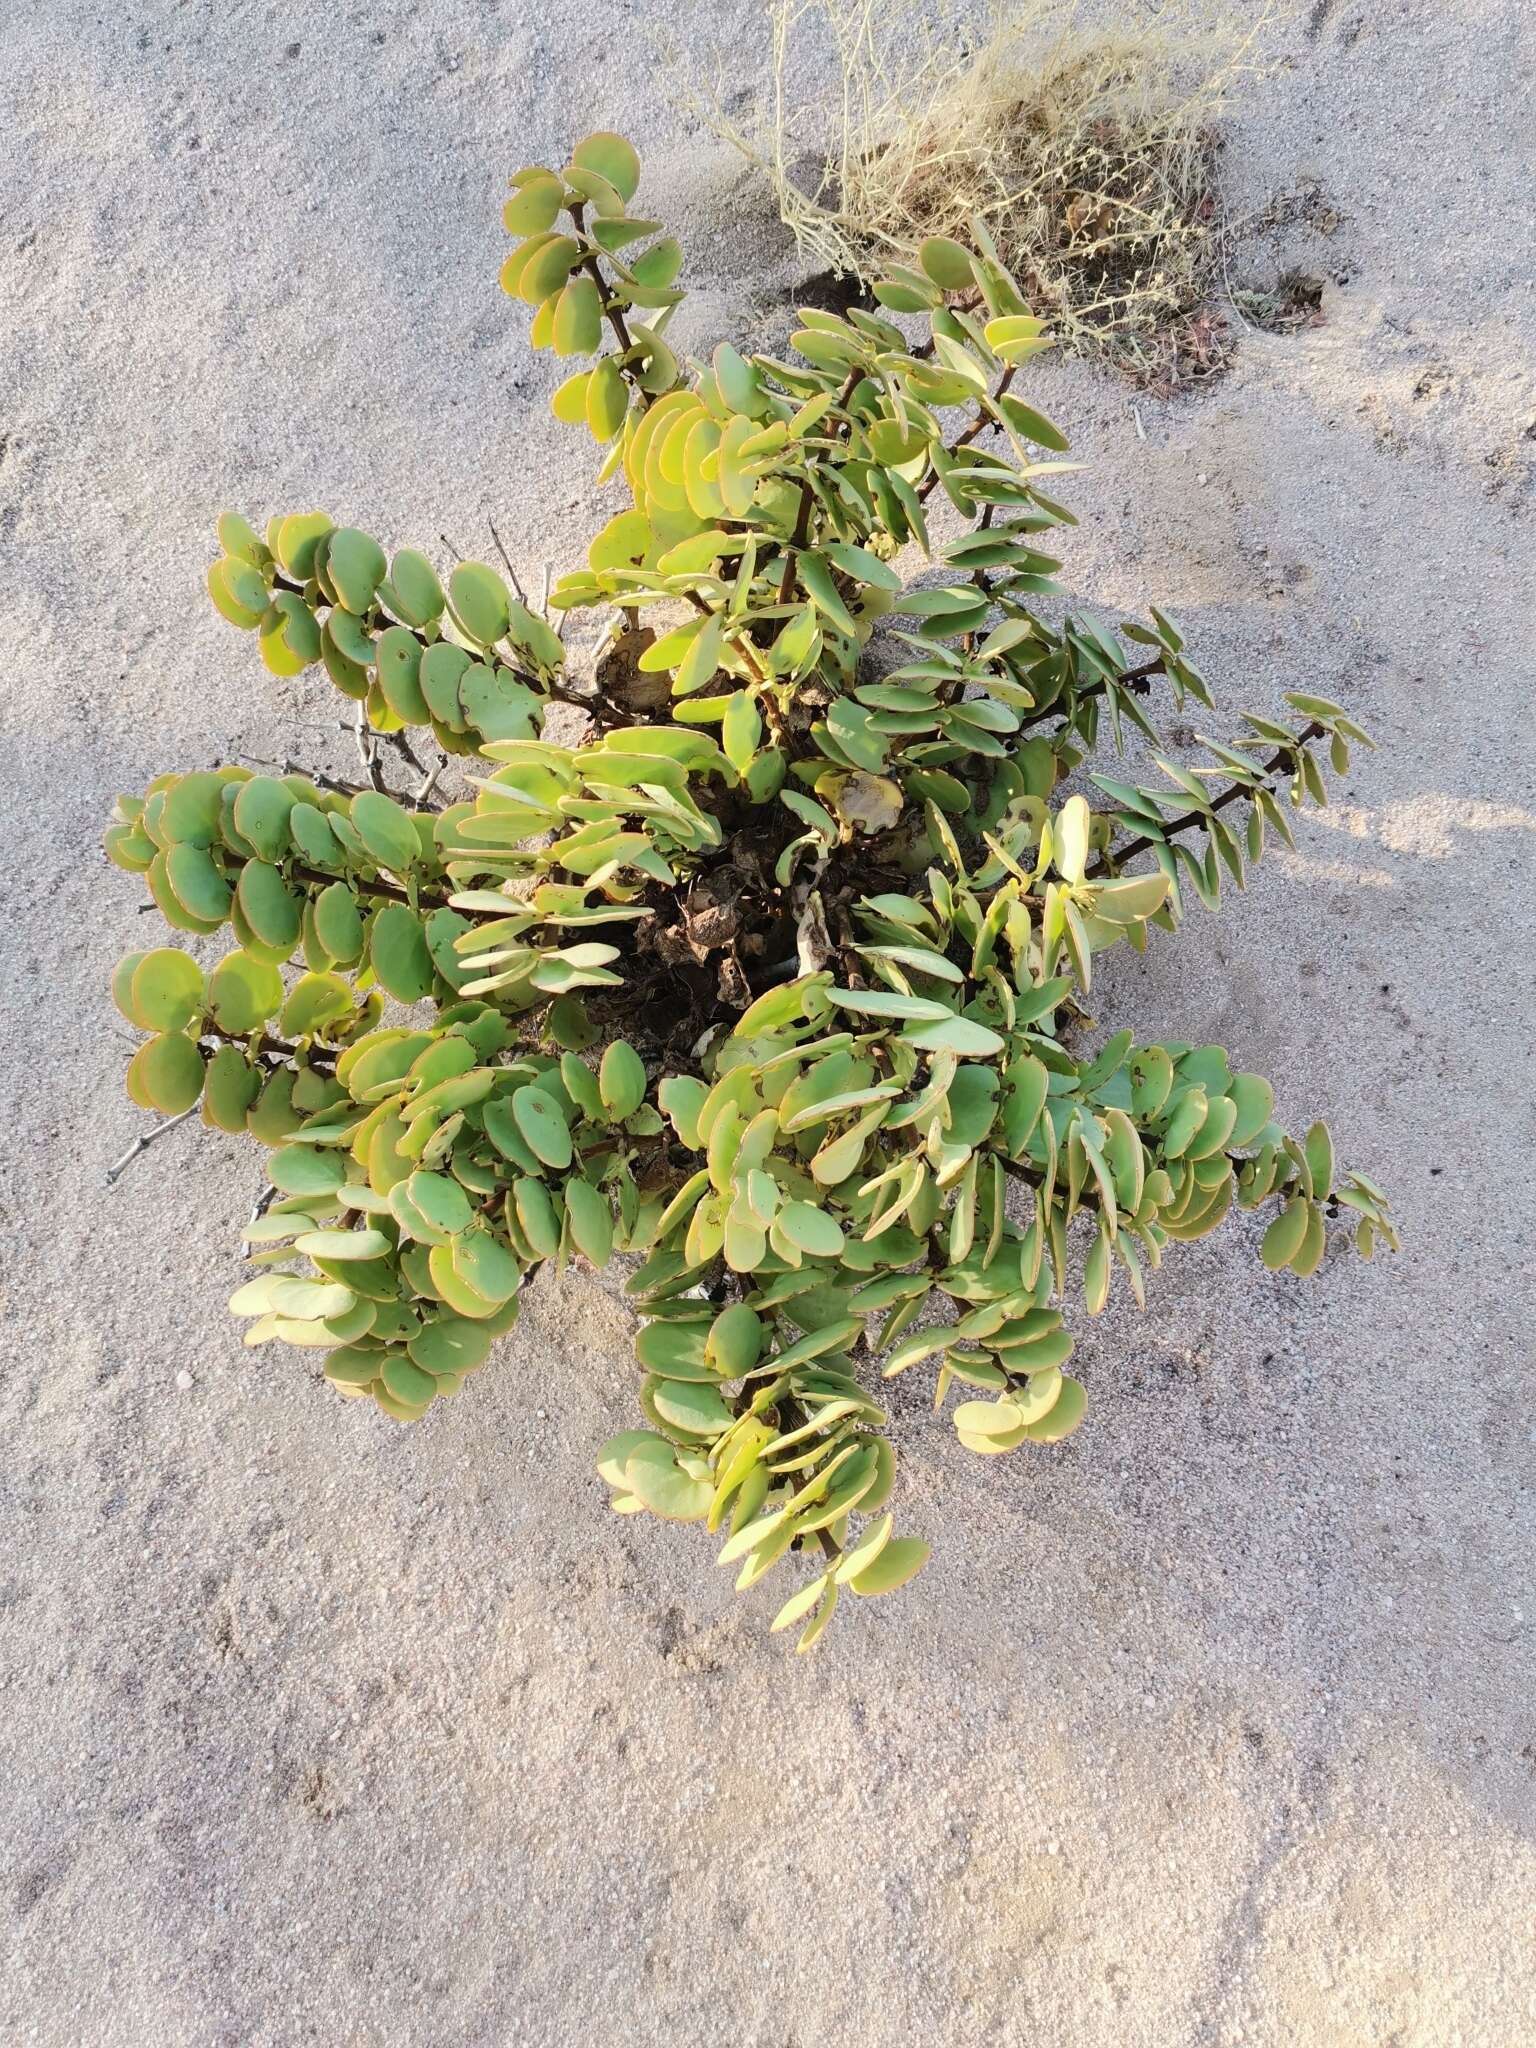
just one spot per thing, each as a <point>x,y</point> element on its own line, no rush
<point>605,639</point>
<point>315,775</point>
<point>522,595</point>
<point>367,748</point>
<point>119,1167</point>
<point>259,1209</point>
<point>404,749</point>
<point>264,1047</point>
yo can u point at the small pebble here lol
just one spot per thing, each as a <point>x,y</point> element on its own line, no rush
<point>184,1380</point>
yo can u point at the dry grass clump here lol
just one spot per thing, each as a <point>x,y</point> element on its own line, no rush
<point>1088,150</point>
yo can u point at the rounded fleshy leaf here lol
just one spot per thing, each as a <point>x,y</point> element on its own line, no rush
<point>947,262</point>
<point>167,1073</point>
<point>481,603</point>
<point>541,1122</point>
<point>243,993</point>
<point>899,1560</point>
<point>165,990</point>
<point>399,954</point>
<point>386,830</point>
<point>535,203</point>
<point>356,566</point>
<point>613,159</point>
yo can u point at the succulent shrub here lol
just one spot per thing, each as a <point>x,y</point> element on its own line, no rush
<point>772,969</point>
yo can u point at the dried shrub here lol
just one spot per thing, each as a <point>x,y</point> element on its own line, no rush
<point>1088,152</point>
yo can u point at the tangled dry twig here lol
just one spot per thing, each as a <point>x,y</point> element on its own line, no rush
<point>1089,152</point>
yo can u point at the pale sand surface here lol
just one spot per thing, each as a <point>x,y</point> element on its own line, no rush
<point>1215,1725</point>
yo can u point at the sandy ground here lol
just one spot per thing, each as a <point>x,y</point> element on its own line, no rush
<point>1216,1725</point>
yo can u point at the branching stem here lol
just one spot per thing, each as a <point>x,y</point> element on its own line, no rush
<point>1188,821</point>
<point>315,775</point>
<point>1134,679</point>
<point>977,427</point>
<point>259,1208</point>
<point>611,311</point>
<point>802,526</point>
<point>264,1047</point>
<point>119,1167</point>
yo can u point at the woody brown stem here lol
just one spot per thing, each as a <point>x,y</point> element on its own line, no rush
<point>1187,821</point>
<point>802,526</point>
<point>1135,679</point>
<point>611,311</point>
<point>978,427</point>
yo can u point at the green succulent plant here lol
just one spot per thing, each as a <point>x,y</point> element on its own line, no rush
<point>773,971</point>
